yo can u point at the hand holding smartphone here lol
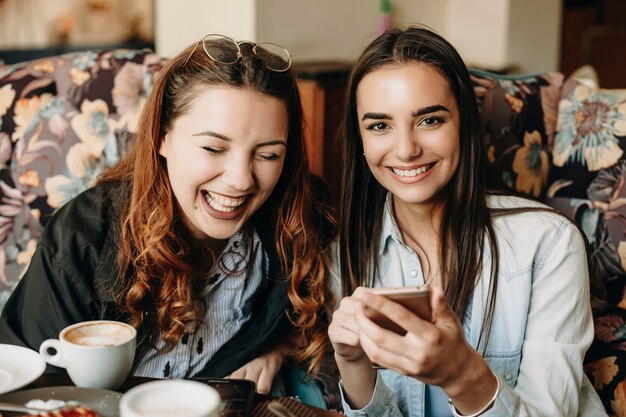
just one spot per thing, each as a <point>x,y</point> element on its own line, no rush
<point>414,298</point>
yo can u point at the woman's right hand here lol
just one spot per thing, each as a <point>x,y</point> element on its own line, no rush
<point>359,378</point>
<point>344,332</point>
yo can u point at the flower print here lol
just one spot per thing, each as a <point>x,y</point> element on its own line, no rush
<point>125,53</point>
<point>58,126</point>
<point>79,77</point>
<point>129,93</point>
<point>29,178</point>
<point>483,90</point>
<point>13,203</point>
<point>607,185</point>
<point>531,165</point>
<point>93,126</point>
<point>516,104</point>
<point>619,404</point>
<point>550,95</point>
<point>587,127</point>
<point>621,251</point>
<point>610,328</point>
<point>46,66</point>
<point>84,60</point>
<point>603,371</point>
<point>25,111</point>
<point>24,257</point>
<point>6,149</point>
<point>7,95</point>
<point>82,172</point>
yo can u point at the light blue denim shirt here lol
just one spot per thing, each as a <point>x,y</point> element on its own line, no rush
<point>542,324</point>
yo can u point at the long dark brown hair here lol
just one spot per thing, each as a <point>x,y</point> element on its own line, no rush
<point>158,292</point>
<point>466,226</point>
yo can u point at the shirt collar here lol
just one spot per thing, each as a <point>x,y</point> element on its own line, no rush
<point>390,229</point>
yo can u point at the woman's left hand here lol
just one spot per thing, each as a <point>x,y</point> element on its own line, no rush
<point>262,369</point>
<point>434,352</point>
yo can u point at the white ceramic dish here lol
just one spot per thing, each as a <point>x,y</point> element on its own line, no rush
<point>19,367</point>
<point>103,402</point>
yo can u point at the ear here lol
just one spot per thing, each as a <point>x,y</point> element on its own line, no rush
<point>164,145</point>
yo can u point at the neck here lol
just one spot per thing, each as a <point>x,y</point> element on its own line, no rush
<point>420,226</point>
<point>417,219</point>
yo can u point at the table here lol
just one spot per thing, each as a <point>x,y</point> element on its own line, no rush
<point>260,407</point>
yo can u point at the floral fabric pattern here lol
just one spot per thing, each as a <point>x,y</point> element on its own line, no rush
<point>519,116</point>
<point>63,120</point>
<point>564,142</point>
<point>588,126</point>
<point>591,133</point>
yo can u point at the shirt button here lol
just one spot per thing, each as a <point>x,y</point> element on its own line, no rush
<point>508,376</point>
<point>413,273</point>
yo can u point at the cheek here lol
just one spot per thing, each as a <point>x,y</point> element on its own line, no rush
<point>267,175</point>
<point>374,149</point>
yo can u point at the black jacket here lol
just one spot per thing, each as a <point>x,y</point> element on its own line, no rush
<point>73,269</point>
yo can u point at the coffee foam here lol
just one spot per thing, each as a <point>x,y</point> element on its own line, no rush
<point>99,334</point>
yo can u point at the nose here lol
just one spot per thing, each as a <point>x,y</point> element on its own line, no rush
<point>407,145</point>
<point>238,174</point>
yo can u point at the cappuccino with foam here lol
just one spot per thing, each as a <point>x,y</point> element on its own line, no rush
<point>96,354</point>
<point>99,334</point>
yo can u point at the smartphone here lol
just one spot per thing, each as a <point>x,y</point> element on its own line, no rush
<point>237,395</point>
<point>415,298</point>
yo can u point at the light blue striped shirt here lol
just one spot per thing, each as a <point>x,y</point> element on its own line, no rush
<point>228,297</point>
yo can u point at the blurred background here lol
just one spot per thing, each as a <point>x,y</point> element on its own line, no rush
<point>505,36</point>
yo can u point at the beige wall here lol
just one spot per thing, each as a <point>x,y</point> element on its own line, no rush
<point>488,33</point>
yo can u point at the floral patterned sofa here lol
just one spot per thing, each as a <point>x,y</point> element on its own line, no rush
<point>65,119</point>
<point>562,142</point>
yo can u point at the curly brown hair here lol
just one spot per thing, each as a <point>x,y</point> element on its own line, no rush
<point>158,291</point>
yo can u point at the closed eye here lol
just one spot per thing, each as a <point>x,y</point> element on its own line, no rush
<point>268,156</point>
<point>212,150</point>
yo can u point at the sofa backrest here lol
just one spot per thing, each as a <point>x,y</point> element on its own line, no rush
<point>63,120</point>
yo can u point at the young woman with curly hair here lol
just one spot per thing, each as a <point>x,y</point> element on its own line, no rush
<point>209,237</point>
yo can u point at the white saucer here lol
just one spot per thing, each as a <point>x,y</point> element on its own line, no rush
<point>102,401</point>
<point>19,367</point>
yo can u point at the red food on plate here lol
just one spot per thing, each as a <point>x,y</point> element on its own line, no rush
<point>67,411</point>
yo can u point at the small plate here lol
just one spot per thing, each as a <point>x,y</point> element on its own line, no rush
<point>19,367</point>
<point>102,401</point>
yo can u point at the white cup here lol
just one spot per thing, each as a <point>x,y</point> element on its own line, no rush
<point>96,354</point>
<point>168,397</point>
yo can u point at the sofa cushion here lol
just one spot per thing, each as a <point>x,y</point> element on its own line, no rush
<point>601,217</point>
<point>591,133</point>
<point>64,120</point>
<point>519,116</point>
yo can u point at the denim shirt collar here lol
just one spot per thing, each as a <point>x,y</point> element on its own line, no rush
<point>390,229</point>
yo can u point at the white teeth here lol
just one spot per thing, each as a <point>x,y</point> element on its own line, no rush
<point>411,172</point>
<point>223,203</point>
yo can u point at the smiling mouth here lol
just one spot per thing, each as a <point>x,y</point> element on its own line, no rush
<point>223,203</point>
<point>412,172</point>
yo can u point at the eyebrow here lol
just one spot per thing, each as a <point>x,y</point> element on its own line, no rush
<point>416,113</point>
<point>227,139</point>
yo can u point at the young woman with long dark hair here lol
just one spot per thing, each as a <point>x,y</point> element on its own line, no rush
<point>508,276</point>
